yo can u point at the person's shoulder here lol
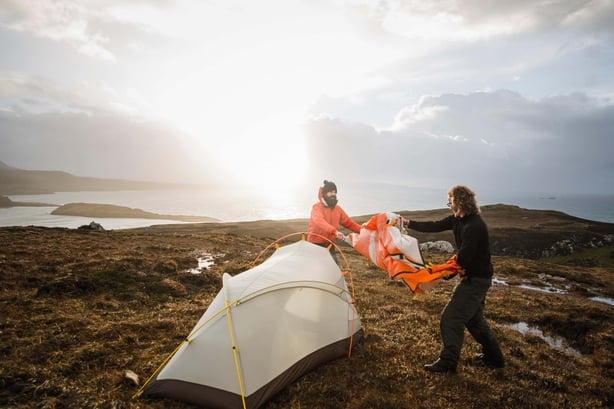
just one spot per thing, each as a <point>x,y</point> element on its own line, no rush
<point>475,220</point>
<point>317,206</point>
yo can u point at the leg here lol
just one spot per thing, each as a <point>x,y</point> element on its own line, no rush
<point>482,333</point>
<point>333,253</point>
<point>465,302</point>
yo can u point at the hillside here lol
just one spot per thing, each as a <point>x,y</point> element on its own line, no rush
<point>15,181</point>
<point>514,231</point>
<point>80,308</point>
<point>7,202</point>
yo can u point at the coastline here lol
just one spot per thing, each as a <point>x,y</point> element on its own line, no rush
<point>232,205</point>
<point>6,202</point>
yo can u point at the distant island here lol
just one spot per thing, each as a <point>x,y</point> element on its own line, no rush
<point>113,211</point>
<point>15,181</point>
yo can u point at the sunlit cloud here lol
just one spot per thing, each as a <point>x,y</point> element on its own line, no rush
<point>239,79</point>
<point>61,21</point>
<point>489,139</point>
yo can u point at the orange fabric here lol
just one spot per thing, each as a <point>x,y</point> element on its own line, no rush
<point>428,277</point>
<point>325,221</point>
<point>382,243</point>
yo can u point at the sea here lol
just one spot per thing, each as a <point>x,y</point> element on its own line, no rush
<point>244,204</point>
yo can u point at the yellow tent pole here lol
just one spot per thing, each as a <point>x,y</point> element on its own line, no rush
<point>235,352</point>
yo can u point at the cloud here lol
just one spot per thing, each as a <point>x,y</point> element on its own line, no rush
<point>497,140</point>
<point>475,19</point>
<point>111,146</point>
<point>23,93</point>
<point>394,86</point>
<point>62,21</point>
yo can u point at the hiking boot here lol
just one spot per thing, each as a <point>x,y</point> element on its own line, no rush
<point>440,366</point>
<point>489,362</point>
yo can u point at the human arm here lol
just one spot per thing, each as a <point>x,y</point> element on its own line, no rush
<point>446,223</point>
<point>347,222</point>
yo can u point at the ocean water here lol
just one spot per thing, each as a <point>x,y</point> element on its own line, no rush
<point>281,204</point>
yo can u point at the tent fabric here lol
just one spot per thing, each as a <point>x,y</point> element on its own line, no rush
<point>266,327</point>
<point>383,243</point>
<point>206,396</point>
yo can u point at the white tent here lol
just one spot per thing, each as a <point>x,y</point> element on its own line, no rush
<point>266,327</point>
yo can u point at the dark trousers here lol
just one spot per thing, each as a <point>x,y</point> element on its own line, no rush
<point>465,309</point>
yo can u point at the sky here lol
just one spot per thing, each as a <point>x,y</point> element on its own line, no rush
<point>500,95</point>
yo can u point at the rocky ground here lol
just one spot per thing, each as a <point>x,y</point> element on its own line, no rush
<point>78,309</point>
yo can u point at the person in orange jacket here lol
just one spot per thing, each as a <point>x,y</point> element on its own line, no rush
<point>326,218</point>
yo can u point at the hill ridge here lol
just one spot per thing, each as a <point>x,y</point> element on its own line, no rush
<point>15,181</point>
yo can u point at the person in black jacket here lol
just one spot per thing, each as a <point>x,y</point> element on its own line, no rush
<point>466,305</point>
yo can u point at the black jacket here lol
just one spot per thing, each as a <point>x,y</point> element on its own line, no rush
<point>471,236</point>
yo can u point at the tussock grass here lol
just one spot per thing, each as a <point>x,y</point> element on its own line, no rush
<point>78,309</point>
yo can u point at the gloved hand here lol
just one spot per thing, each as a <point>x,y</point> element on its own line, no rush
<point>340,236</point>
<point>405,222</point>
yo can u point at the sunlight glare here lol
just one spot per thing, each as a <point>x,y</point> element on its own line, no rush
<point>245,95</point>
<point>270,154</point>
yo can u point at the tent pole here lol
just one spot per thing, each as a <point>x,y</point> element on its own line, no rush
<point>235,352</point>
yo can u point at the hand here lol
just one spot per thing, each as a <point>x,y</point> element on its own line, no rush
<point>340,236</point>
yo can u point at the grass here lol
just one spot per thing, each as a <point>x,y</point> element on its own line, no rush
<point>591,257</point>
<point>78,309</point>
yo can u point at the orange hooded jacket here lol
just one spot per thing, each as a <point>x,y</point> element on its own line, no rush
<point>325,221</point>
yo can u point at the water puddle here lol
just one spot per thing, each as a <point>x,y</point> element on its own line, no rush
<point>557,343</point>
<point>547,288</point>
<point>606,300</point>
<point>205,261</point>
<point>498,281</point>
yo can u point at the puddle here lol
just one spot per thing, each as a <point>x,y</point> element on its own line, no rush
<point>605,300</point>
<point>557,343</point>
<point>551,290</point>
<point>546,289</point>
<point>498,281</point>
<point>547,286</point>
<point>204,262</point>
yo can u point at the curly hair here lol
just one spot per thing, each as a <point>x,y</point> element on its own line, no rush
<point>464,198</point>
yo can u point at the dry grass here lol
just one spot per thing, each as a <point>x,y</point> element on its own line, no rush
<point>78,309</point>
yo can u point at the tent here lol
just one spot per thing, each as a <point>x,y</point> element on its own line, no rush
<point>266,327</point>
<point>383,242</point>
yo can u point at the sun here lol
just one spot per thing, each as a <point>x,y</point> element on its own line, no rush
<point>245,96</point>
<point>269,154</point>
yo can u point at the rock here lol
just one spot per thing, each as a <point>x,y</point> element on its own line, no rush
<point>132,377</point>
<point>92,226</point>
<point>440,246</point>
